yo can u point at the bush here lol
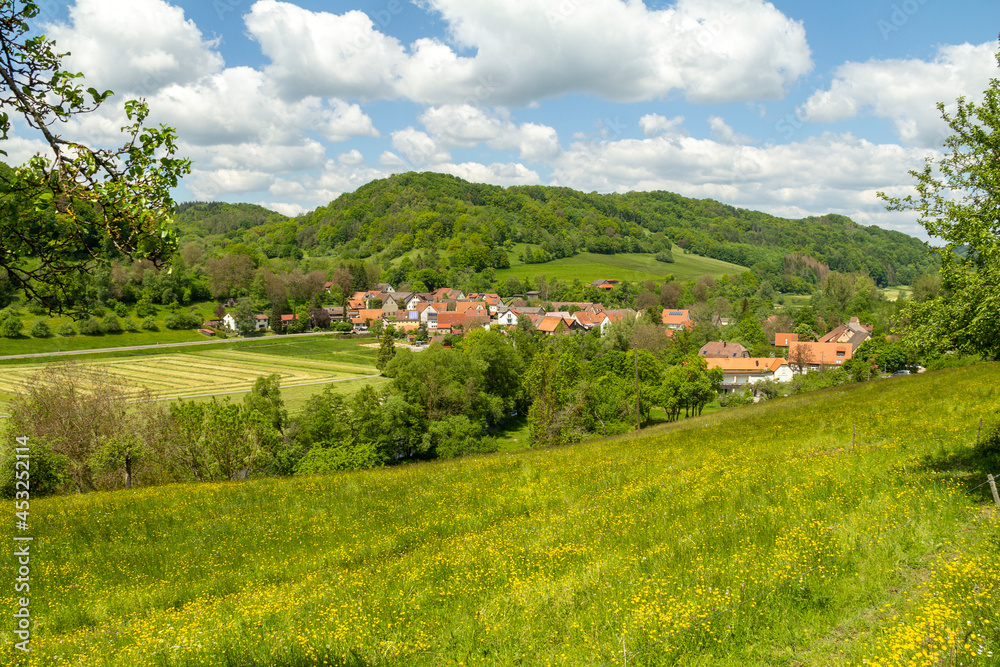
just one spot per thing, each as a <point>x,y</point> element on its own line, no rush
<point>121,310</point>
<point>66,329</point>
<point>819,380</point>
<point>664,256</point>
<point>89,327</point>
<point>455,436</point>
<point>768,389</point>
<point>36,308</point>
<point>145,308</point>
<point>953,360</point>
<point>183,320</point>
<point>348,456</point>
<point>731,400</point>
<point>111,324</point>
<point>40,330</point>
<point>11,325</point>
<point>49,471</point>
<point>128,324</point>
<point>149,324</point>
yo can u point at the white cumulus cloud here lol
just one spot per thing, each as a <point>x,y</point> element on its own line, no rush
<point>134,46</point>
<point>653,124</point>
<point>708,50</point>
<point>464,125</point>
<point>906,91</point>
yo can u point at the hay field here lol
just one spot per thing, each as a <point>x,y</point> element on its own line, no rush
<point>204,373</point>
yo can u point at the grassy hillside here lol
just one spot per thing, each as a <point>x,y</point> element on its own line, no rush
<point>749,537</point>
<point>633,267</point>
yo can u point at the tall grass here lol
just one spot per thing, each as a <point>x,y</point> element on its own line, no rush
<point>561,556</point>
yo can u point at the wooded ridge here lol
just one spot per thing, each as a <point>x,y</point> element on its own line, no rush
<point>479,226</point>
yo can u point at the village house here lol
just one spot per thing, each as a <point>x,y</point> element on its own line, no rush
<point>260,322</point>
<point>677,319</point>
<point>466,321</point>
<point>389,306</point>
<point>405,316</point>
<point>531,310</point>
<point>472,307</point>
<point>367,317</point>
<point>853,332</point>
<point>723,350</point>
<point>808,356</point>
<point>785,339</point>
<point>553,325</point>
<point>444,293</point>
<point>336,313</point>
<point>353,307</point>
<point>413,299</point>
<point>589,320</point>
<point>506,317</point>
<point>740,371</point>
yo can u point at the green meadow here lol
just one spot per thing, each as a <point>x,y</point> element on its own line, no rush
<point>848,526</point>
<point>27,344</point>
<point>632,267</point>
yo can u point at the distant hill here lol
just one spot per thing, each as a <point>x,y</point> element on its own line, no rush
<point>207,219</point>
<point>478,224</point>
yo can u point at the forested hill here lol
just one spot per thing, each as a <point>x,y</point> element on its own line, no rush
<point>219,218</point>
<point>478,225</point>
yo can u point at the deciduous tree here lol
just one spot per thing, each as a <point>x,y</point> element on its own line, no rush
<point>62,211</point>
<point>958,201</point>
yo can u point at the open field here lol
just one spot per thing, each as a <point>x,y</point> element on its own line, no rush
<point>632,267</point>
<point>752,536</point>
<point>897,292</point>
<point>304,364</point>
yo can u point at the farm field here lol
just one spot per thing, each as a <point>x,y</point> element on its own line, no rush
<point>632,267</point>
<point>751,536</point>
<point>304,364</point>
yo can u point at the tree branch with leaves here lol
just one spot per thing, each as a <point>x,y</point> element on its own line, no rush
<point>958,200</point>
<point>75,207</point>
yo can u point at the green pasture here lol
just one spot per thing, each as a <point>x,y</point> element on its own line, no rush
<point>897,292</point>
<point>849,526</point>
<point>27,344</point>
<point>630,267</point>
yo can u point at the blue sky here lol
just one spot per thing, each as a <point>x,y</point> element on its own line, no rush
<point>796,108</point>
